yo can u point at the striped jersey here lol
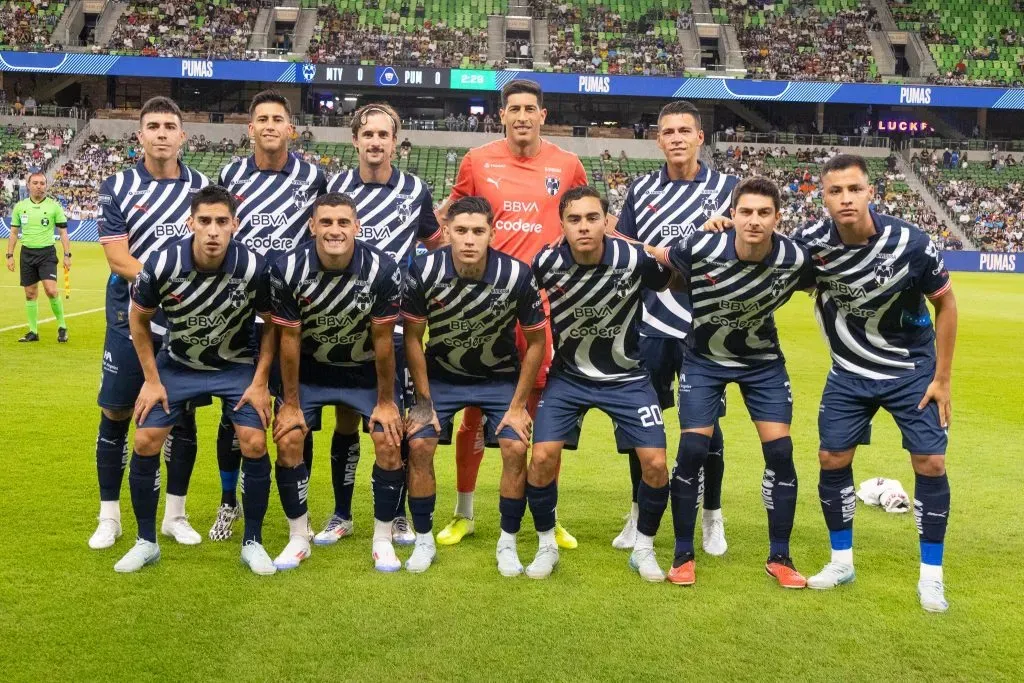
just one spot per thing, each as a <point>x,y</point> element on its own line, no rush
<point>870,298</point>
<point>595,310</point>
<point>660,211</point>
<point>733,301</point>
<point>273,206</point>
<point>335,309</point>
<point>149,213</point>
<point>472,323</point>
<point>209,314</point>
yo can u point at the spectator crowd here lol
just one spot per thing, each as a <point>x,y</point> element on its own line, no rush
<point>161,28</point>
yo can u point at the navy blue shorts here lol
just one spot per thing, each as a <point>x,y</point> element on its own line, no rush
<point>122,375</point>
<point>766,392</point>
<point>848,404</point>
<point>313,398</point>
<point>632,406</point>
<point>187,386</point>
<point>663,358</point>
<point>492,398</point>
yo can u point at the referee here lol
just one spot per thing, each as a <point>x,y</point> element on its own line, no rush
<point>36,217</point>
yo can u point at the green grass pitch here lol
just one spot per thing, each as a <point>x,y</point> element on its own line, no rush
<point>200,615</point>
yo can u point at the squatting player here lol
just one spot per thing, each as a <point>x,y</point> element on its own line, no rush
<point>874,273</point>
<point>661,208</point>
<point>209,286</point>
<point>594,284</point>
<point>523,177</point>
<point>736,280</point>
<point>275,192</point>
<point>141,209</point>
<point>471,297</point>
<point>336,300</point>
<point>395,210</point>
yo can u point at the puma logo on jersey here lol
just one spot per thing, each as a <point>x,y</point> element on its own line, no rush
<point>496,182</point>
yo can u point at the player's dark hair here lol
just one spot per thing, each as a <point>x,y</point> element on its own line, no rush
<point>757,185</point>
<point>160,105</point>
<point>841,162</point>
<point>214,194</point>
<point>522,86</point>
<point>364,112</point>
<point>680,107</point>
<point>334,199</point>
<point>577,193</point>
<point>33,174</point>
<point>269,97</point>
<point>604,204</point>
<point>471,205</point>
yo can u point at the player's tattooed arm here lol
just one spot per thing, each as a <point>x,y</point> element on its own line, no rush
<point>421,415</point>
<point>940,389</point>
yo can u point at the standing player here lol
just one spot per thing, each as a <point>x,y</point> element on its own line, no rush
<point>275,193</point>
<point>523,177</point>
<point>142,209</point>
<point>594,284</point>
<point>209,287</point>
<point>395,210</point>
<point>736,280</point>
<point>874,274</point>
<point>471,297</point>
<point>36,217</point>
<point>662,208</point>
<point>337,300</point>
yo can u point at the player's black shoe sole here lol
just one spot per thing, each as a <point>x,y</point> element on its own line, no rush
<point>30,337</point>
<point>62,335</point>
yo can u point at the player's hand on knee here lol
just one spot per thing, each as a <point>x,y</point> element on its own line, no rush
<point>289,417</point>
<point>421,415</point>
<point>717,224</point>
<point>258,396</point>
<point>152,393</point>
<point>940,392</point>
<point>386,415</point>
<point>519,421</point>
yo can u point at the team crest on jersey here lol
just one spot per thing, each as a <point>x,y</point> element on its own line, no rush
<point>623,287</point>
<point>364,300</point>
<point>710,207</point>
<point>239,297</point>
<point>551,183</point>
<point>883,269</point>
<point>300,193</point>
<point>778,287</point>
<point>404,208</point>
<point>932,252</point>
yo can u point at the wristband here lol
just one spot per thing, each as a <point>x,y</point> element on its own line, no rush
<point>10,256</point>
<point>67,254</point>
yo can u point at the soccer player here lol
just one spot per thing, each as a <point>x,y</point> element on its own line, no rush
<point>337,300</point>
<point>209,287</point>
<point>661,208</point>
<point>142,209</point>
<point>471,297</point>
<point>275,193</point>
<point>736,280</point>
<point>523,178</point>
<point>874,274</point>
<point>395,209</point>
<point>594,283</point>
<point>36,217</point>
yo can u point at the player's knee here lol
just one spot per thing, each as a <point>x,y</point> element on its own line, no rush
<point>929,465</point>
<point>513,451</point>
<point>421,453</point>
<point>50,287</point>
<point>544,463</point>
<point>149,441</point>
<point>654,467</point>
<point>117,415</point>
<point>388,457</point>
<point>31,293</point>
<point>289,448</point>
<point>252,442</point>
<point>835,460</point>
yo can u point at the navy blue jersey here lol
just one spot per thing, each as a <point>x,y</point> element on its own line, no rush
<point>149,213</point>
<point>659,211</point>
<point>870,298</point>
<point>595,310</point>
<point>273,206</point>
<point>209,314</point>
<point>472,323</point>
<point>733,301</point>
<point>335,309</point>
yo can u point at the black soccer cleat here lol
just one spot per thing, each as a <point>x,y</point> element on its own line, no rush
<point>62,335</point>
<point>30,337</point>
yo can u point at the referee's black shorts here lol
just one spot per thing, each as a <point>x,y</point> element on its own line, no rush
<point>38,264</point>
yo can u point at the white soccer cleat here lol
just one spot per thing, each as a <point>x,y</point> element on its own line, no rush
<point>335,530</point>
<point>932,595</point>
<point>544,562</point>
<point>226,517</point>
<point>294,553</point>
<point>255,556</point>
<point>106,534</point>
<point>627,537</point>
<point>422,556</point>
<point>384,557</point>
<point>713,537</point>
<point>645,563</point>
<point>834,574</point>
<point>401,532</point>
<point>508,560</point>
<point>180,530</point>
<point>142,553</point>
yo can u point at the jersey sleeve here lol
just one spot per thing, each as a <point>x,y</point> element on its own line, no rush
<point>429,229</point>
<point>59,217</point>
<point>145,291</point>
<point>529,309</point>
<point>284,310</point>
<point>652,274</point>
<point>464,186</point>
<point>222,177</point>
<point>111,222</point>
<point>262,287</point>
<point>319,185</point>
<point>388,299</point>
<point>16,216</point>
<point>414,299</point>
<point>931,270</point>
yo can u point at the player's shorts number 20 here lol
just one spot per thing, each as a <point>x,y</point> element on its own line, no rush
<point>650,416</point>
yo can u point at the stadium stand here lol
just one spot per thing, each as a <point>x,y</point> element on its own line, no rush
<point>438,33</point>
<point>24,149</point>
<point>76,182</point>
<point>818,40</point>
<point>28,25</point>
<point>214,28</point>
